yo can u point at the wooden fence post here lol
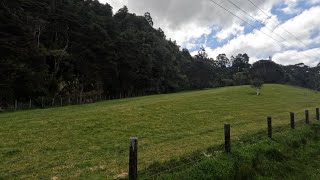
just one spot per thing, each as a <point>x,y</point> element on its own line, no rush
<point>30,103</point>
<point>42,103</point>
<point>133,159</point>
<point>52,101</point>
<point>227,144</point>
<point>61,101</point>
<point>69,100</point>
<point>307,117</point>
<point>292,120</point>
<point>317,114</point>
<point>269,127</point>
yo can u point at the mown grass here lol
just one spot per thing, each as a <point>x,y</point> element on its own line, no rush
<point>92,140</point>
<point>291,154</point>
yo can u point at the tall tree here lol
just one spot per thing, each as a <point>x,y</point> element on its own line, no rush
<point>268,71</point>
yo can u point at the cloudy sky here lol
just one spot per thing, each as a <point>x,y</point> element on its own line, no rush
<point>287,30</point>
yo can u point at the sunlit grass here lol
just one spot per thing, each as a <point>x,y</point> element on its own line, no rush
<point>93,140</point>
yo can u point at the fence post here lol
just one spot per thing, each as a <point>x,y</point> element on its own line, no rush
<point>227,144</point>
<point>69,100</point>
<point>317,114</point>
<point>30,103</point>
<point>292,120</point>
<point>133,159</point>
<point>42,103</point>
<point>307,117</point>
<point>16,105</point>
<point>61,101</point>
<point>269,127</point>
<point>52,101</point>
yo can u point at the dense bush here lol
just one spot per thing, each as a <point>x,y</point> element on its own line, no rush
<point>67,48</point>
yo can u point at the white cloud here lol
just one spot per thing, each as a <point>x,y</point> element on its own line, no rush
<point>233,30</point>
<point>116,4</point>
<point>184,35</point>
<point>188,20</point>
<point>258,45</point>
<point>291,7</point>
<point>313,2</point>
<point>303,25</point>
<point>184,20</point>
<point>295,57</point>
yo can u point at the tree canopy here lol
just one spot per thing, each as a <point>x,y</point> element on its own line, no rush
<point>55,48</point>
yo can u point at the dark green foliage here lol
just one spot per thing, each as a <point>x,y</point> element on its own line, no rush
<point>240,78</point>
<point>201,70</point>
<point>240,63</point>
<point>268,71</point>
<point>75,48</point>
<point>66,48</point>
<point>302,75</point>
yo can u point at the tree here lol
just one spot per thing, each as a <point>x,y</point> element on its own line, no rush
<point>257,84</point>
<point>240,63</point>
<point>200,70</point>
<point>77,47</point>
<point>268,71</point>
<point>222,61</point>
<point>122,13</point>
<point>240,78</point>
<point>148,17</point>
<point>202,54</point>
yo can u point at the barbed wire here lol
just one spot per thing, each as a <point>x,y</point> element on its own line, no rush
<point>299,119</point>
<point>160,168</point>
<point>174,168</point>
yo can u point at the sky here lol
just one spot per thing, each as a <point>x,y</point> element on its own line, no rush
<point>286,30</point>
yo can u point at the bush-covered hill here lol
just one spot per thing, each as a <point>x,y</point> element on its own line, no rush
<point>66,48</point>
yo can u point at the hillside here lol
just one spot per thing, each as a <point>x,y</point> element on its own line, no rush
<point>93,139</point>
<point>76,48</point>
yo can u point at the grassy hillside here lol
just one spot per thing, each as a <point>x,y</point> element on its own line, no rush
<point>92,140</point>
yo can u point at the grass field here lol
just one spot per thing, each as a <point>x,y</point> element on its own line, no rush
<point>92,140</point>
<point>291,154</point>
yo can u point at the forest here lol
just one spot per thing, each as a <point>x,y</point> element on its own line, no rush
<point>68,48</point>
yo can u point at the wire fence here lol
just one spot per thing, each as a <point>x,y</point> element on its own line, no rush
<point>158,169</point>
<point>188,159</point>
<point>150,174</point>
<point>58,101</point>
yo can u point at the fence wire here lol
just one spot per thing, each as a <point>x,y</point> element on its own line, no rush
<point>162,168</point>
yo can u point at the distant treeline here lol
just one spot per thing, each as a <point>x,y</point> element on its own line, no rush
<point>52,48</point>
